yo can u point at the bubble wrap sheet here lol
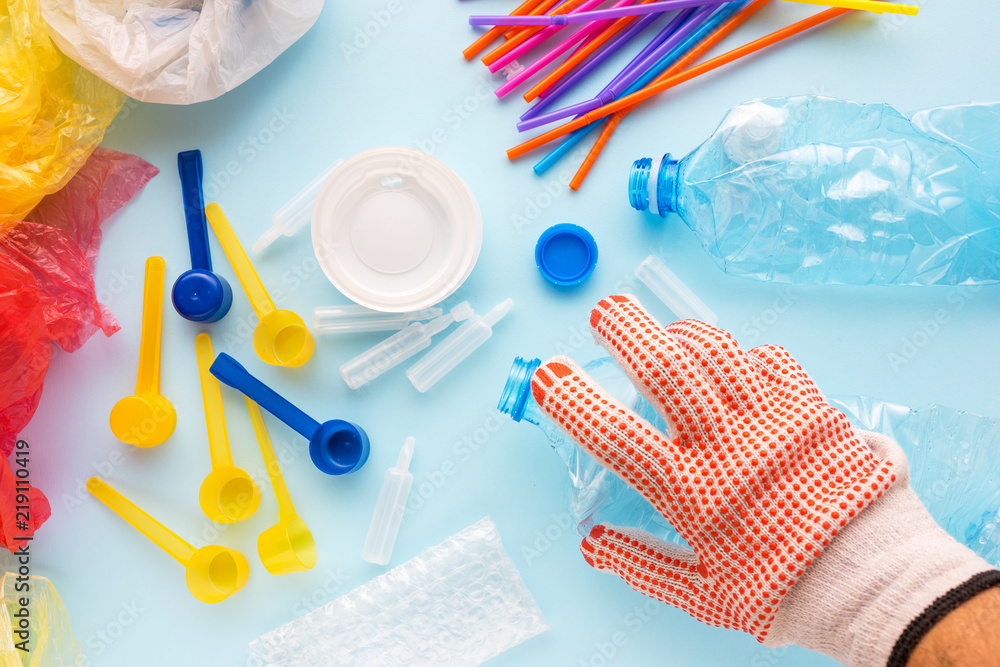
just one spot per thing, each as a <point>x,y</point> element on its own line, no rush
<point>457,604</point>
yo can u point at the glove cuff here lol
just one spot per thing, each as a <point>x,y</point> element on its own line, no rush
<point>882,582</point>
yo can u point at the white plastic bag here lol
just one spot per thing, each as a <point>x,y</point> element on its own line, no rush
<point>177,51</point>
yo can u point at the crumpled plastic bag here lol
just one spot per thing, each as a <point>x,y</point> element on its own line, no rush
<point>50,636</point>
<point>52,112</point>
<point>47,295</point>
<point>177,51</point>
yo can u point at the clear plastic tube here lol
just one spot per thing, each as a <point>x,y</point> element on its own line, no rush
<point>389,509</point>
<point>294,215</point>
<point>672,291</point>
<point>352,318</point>
<point>456,347</point>
<point>398,347</point>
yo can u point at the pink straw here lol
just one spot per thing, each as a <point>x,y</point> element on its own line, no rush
<point>561,48</point>
<point>537,39</point>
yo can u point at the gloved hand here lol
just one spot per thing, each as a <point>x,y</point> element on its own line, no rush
<point>801,529</point>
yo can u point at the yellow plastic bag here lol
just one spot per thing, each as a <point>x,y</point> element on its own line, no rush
<point>53,112</point>
<point>50,640</point>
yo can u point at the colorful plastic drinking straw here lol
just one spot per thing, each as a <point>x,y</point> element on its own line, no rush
<point>487,38</point>
<point>534,41</point>
<point>679,66</point>
<point>687,75</point>
<point>552,94</point>
<point>875,6</point>
<point>518,39</point>
<point>647,77</point>
<point>580,55</point>
<point>628,75</point>
<point>555,52</point>
<point>723,14</point>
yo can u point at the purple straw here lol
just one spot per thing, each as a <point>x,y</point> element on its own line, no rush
<point>584,17</point>
<point>546,98</point>
<point>627,76</point>
<point>642,59</point>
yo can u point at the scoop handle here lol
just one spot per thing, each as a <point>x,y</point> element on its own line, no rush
<point>211,397</point>
<point>189,166</point>
<point>231,372</point>
<point>254,288</point>
<point>160,535</point>
<point>285,508</point>
<point>148,378</point>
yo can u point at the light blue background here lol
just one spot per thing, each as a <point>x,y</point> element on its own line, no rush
<point>404,85</point>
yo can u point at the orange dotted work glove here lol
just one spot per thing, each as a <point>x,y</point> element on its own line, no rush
<point>759,475</point>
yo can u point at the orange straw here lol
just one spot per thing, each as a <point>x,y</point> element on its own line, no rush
<point>711,40</point>
<point>522,37</point>
<point>688,74</point>
<point>487,38</point>
<point>552,78</point>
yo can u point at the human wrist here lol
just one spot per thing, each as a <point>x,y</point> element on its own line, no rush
<point>862,600</point>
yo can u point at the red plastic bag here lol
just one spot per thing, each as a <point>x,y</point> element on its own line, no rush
<point>47,295</point>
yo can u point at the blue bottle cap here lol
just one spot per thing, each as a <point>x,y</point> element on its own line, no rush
<point>566,254</point>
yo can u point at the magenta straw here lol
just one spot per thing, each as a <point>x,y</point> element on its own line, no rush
<point>546,98</point>
<point>535,40</point>
<point>554,53</point>
<point>584,16</point>
<point>625,77</point>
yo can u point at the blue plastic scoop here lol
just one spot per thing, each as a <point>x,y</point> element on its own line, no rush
<point>337,447</point>
<point>199,295</point>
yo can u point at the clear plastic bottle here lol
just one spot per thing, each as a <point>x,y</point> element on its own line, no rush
<point>815,190</point>
<point>951,457</point>
<point>597,496</point>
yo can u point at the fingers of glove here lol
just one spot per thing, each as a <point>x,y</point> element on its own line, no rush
<point>887,451</point>
<point>784,375</point>
<point>719,358</point>
<point>618,439</point>
<point>661,369</point>
<point>663,571</point>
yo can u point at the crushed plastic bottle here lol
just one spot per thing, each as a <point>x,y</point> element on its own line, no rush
<point>952,458</point>
<point>814,190</point>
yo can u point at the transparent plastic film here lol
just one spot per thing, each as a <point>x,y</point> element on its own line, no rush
<point>480,604</point>
<point>48,639</point>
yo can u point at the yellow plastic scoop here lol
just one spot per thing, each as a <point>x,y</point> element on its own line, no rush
<point>147,418</point>
<point>213,572</point>
<point>287,546</point>
<point>281,338</point>
<point>228,493</point>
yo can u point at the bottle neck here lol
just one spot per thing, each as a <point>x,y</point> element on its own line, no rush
<point>516,399</point>
<point>653,185</point>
